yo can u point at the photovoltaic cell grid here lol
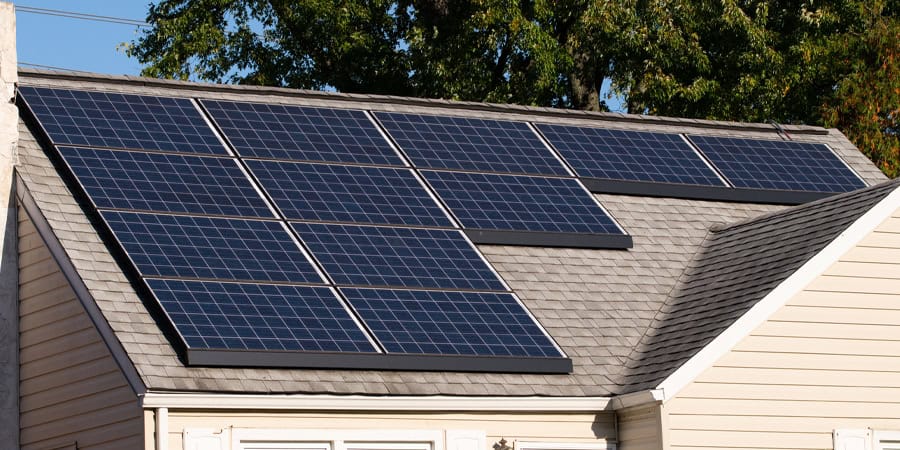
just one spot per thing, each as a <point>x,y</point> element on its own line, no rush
<point>399,257</point>
<point>165,182</point>
<point>210,248</point>
<point>302,133</point>
<point>482,145</point>
<point>357,194</point>
<point>241,316</point>
<point>102,119</point>
<point>630,155</point>
<point>520,203</point>
<point>220,294</point>
<point>787,165</point>
<point>450,323</point>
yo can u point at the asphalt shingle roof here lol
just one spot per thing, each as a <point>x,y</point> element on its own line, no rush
<point>736,267</point>
<point>597,304</point>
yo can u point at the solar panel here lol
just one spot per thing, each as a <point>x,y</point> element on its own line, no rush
<point>450,323</point>
<point>241,316</point>
<point>402,257</point>
<point>630,155</point>
<point>336,193</point>
<point>521,203</point>
<point>483,145</point>
<point>165,182</point>
<point>210,248</point>
<point>786,165</point>
<point>103,119</point>
<point>302,133</point>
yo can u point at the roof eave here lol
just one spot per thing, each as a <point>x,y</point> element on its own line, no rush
<point>294,402</point>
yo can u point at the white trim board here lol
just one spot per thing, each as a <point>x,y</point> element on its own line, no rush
<point>186,400</point>
<point>778,297</point>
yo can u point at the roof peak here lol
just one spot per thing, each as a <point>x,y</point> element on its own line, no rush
<point>27,74</point>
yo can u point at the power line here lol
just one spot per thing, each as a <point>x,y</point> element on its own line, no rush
<point>81,16</point>
<point>42,66</point>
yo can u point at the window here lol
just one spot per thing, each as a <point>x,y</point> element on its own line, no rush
<point>601,444</point>
<point>866,439</point>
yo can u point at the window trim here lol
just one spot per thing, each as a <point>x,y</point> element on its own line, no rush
<point>891,438</point>
<point>601,444</point>
<point>341,439</point>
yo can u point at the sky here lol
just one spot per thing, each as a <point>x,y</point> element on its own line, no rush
<point>79,44</point>
<point>88,45</point>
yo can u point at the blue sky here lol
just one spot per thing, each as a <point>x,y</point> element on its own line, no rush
<point>79,44</point>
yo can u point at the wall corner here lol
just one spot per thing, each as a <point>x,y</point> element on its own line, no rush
<point>9,277</point>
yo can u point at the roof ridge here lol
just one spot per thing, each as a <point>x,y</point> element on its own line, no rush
<point>720,228</point>
<point>415,101</point>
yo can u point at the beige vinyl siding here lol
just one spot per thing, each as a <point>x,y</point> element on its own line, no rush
<point>71,389</point>
<point>829,358</point>
<point>556,427</point>
<point>641,428</point>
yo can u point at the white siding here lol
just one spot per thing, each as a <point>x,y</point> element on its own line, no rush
<point>641,428</point>
<point>830,358</point>
<point>71,389</point>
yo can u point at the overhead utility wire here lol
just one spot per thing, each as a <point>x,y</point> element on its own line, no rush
<point>82,16</point>
<point>42,66</point>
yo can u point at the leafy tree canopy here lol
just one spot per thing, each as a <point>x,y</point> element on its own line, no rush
<point>825,62</point>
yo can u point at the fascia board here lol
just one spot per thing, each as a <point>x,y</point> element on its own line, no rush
<point>188,400</point>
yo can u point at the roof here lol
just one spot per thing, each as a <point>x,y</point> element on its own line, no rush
<point>597,304</point>
<point>736,266</point>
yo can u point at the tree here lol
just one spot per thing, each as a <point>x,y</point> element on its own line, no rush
<point>866,103</point>
<point>790,61</point>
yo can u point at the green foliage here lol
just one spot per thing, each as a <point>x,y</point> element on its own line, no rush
<point>825,62</point>
<point>866,103</point>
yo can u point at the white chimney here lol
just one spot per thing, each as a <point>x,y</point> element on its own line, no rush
<point>9,296</point>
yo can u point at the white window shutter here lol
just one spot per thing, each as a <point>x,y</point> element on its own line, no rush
<point>205,439</point>
<point>850,439</point>
<point>466,440</point>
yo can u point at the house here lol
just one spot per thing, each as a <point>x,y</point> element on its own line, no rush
<point>705,314</point>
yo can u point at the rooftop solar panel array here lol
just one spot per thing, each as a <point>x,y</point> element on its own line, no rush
<point>301,133</point>
<point>502,182</point>
<point>311,235</point>
<point>784,165</point>
<point>250,250</point>
<point>101,119</point>
<point>630,155</point>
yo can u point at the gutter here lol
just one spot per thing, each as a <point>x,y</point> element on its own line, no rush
<point>309,402</point>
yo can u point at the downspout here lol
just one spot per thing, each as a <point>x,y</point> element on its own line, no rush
<point>9,276</point>
<point>162,428</point>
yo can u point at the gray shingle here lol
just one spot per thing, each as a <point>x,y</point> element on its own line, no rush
<point>735,268</point>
